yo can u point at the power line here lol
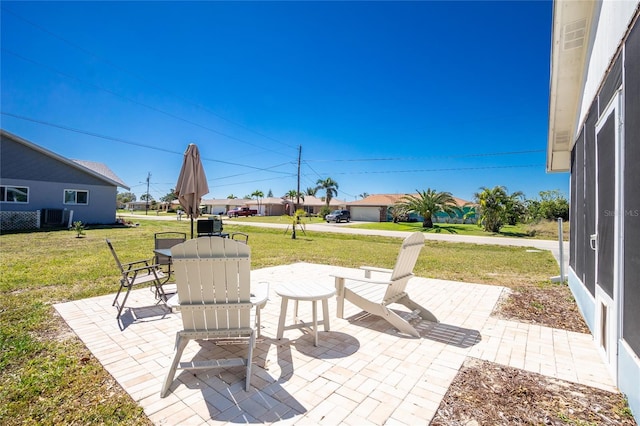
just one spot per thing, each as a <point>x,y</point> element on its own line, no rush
<point>488,154</point>
<point>438,170</point>
<point>133,101</point>
<point>124,141</point>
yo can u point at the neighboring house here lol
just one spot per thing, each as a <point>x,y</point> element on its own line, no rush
<point>221,206</point>
<point>141,205</point>
<point>594,133</point>
<point>33,178</point>
<point>269,206</point>
<point>375,208</point>
<point>312,205</point>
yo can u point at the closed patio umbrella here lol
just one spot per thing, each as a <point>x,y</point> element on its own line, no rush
<point>192,183</point>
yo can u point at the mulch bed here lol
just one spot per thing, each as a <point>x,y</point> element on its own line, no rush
<point>485,393</point>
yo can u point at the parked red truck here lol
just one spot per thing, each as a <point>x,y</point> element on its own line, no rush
<point>242,211</point>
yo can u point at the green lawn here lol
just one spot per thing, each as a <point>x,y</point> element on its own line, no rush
<point>48,377</point>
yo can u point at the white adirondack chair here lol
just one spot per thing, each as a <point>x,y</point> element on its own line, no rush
<point>375,294</point>
<point>213,282</point>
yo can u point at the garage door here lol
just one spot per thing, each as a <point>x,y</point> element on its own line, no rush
<point>369,214</point>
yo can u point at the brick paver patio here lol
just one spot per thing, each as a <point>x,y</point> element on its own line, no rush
<point>362,373</point>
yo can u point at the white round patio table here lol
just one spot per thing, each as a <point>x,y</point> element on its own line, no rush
<point>304,291</point>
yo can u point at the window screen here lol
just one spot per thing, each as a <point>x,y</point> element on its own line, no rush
<point>631,305</point>
<point>606,203</point>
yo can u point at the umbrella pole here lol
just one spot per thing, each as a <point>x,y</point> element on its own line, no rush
<point>191,226</point>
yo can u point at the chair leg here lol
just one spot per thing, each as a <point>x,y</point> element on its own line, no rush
<point>117,294</point>
<point>413,306</point>
<point>252,342</point>
<point>400,323</point>
<point>181,343</point>
<point>123,302</point>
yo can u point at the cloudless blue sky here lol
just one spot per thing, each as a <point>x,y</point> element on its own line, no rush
<point>383,97</point>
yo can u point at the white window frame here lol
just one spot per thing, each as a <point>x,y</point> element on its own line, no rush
<point>4,195</point>
<point>75,202</point>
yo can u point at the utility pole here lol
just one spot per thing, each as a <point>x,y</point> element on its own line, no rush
<point>146,207</point>
<point>295,207</point>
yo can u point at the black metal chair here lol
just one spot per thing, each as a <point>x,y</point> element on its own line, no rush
<point>136,273</point>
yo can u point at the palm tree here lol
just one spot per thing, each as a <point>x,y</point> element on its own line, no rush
<point>330,186</point>
<point>493,209</point>
<point>311,191</point>
<point>258,194</point>
<point>428,203</point>
<point>231,197</point>
<point>364,195</point>
<point>293,194</point>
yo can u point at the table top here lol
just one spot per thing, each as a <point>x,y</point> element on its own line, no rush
<point>163,252</point>
<point>302,290</point>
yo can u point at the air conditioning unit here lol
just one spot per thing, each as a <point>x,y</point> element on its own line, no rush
<point>51,216</point>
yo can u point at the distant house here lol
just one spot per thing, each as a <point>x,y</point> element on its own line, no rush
<point>376,208</point>
<point>312,205</point>
<point>594,133</point>
<point>33,178</point>
<point>220,206</point>
<point>269,206</point>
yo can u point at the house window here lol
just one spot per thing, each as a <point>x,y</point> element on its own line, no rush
<point>74,196</point>
<point>14,194</point>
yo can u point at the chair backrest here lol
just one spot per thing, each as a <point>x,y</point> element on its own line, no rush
<point>166,240</point>
<point>213,282</point>
<point>406,261</point>
<point>115,256</point>
<point>217,226</point>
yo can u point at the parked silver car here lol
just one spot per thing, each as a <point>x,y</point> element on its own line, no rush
<point>338,215</point>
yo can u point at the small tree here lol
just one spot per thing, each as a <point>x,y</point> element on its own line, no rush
<point>325,210</point>
<point>296,219</point>
<point>399,213</point>
<point>78,228</point>
<point>492,207</point>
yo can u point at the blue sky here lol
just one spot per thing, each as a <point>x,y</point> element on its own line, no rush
<point>383,97</point>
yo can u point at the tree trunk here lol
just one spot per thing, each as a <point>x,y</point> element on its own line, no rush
<point>427,222</point>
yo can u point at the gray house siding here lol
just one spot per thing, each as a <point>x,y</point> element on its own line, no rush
<point>50,195</point>
<point>47,176</point>
<point>21,162</point>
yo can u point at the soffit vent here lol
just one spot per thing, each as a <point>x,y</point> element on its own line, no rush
<point>562,137</point>
<point>574,34</point>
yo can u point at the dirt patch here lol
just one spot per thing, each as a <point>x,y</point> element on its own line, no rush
<point>485,393</point>
<point>551,305</point>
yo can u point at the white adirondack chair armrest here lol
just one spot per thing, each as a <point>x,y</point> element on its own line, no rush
<point>362,279</point>
<point>375,269</point>
<point>260,294</point>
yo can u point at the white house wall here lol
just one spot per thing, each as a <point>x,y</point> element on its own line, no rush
<point>612,23</point>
